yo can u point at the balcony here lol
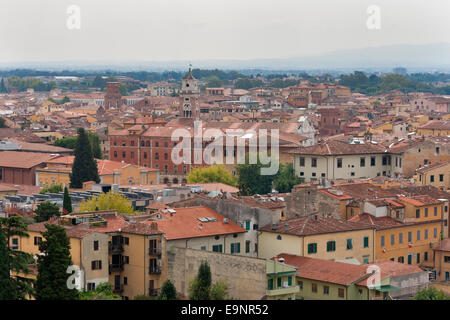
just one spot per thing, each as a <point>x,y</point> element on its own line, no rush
<point>154,251</point>
<point>118,289</point>
<point>282,291</point>
<point>115,248</point>
<point>115,267</point>
<point>154,270</point>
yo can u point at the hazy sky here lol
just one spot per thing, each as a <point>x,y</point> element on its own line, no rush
<point>162,30</point>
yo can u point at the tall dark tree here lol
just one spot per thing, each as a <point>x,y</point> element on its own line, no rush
<point>51,283</point>
<point>7,288</point>
<point>168,291</point>
<point>16,262</point>
<point>251,181</point>
<point>3,88</point>
<point>286,178</point>
<point>67,201</point>
<point>84,166</point>
<point>201,286</point>
<point>45,211</point>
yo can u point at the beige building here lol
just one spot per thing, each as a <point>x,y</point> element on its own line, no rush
<point>318,237</point>
<point>436,174</point>
<point>337,159</point>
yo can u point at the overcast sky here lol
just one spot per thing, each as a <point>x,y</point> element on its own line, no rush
<point>162,30</point>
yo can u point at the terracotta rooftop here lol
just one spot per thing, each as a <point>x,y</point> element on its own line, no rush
<point>433,166</point>
<point>419,201</point>
<point>436,125</point>
<point>141,228</point>
<point>305,226</point>
<point>394,268</point>
<point>339,147</point>
<point>327,271</point>
<point>444,245</point>
<point>184,224</point>
<point>25,160</point>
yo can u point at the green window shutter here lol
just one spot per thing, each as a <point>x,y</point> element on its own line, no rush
<point>238,247</point>
<point>247,225</point>
<point>220,248</point>
<point>366,242</point>
<point>270,284</point>
<point>279,282</point>
<point>290,281</point>
<point>232,248</point>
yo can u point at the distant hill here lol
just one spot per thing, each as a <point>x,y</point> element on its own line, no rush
<point>429,57</point>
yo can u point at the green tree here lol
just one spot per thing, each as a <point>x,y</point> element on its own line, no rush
<point>123,90</point>
<point>431,293</point>
<point>214,82</point>
<point>45,211</point>
<point>51,283</point>
<point>200,287</point>
<point>102,292</point>
<point>168,291</point>
<point>52,189</point>
<point>108,201</point>
<point>219,291</point>
<point>3,88</point>
<point>84,166</point>
<point>71,142</point>
<point>214,173</point>
<point>251,181</point>
<point>14,261</point>
<point>286,179</point>
<point>99,82</point>
<point>7,287</point>
<point>67,201</point>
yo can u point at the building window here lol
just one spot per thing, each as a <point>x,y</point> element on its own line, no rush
<point>203,248</point>
<point>435,232</point>
<point>400,238</point>
<point>326,290</point>
<point>247,225</point>
<point>95,245</point>
<point>425,236</point>
<point>270,284</point>
<point>166,156</point>
<point>300,284</point>
<point>156,156</point>
<point>362,162</point>
<point>418,235</point>
<point>425,256</point>
<point>312,248</point>
<point>417,213</point>
<point>115,154</point>
<point>447,259</point>
<point>37,240</point>
<point>432,178</point>
<point>96,265</point>
<point>132,155</point>
<point>302,161</point>
<point>314,287</point>
<point>156,144</point>
<point>372,161</point>
<point>382,241</point>
<point>401,259</point>
<point>235,247</point>
<point>123,154</point>
<point>331,246</point>
<point>314,162</point>
<point>91,286</point>
<point>247,246</point>
<point>392,239</point>
<point>145,155</point>
<point>418,258</point>
<point>409,236</point>
<point>435,211</point>
<point>341,293</point>
<point>339,162</point>
<point>217,248</point>
<point>426,212</point>
<point>366,242</point>
<point>441,177</point>
<point>349,244</point>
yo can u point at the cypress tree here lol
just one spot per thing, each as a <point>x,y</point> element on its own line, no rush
<point>201,286</point>
<point>168,291</point>
<point>7,290</point>
<point>84,166</point>
<point>52,278</point>
<point>67,201</point>
<point>3,88</point>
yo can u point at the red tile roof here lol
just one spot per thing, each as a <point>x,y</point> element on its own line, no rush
<point>26,160</point>
<point>305,226</point>
<point>394,268</point>
<point>327,271</point>
<point>184,224</point>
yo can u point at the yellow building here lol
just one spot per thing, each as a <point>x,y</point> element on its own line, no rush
<point>57,171</point>
<point>281,282</point>
<point>434,128</point>
<point>317,237</point>
<point>442,260</point>
<point>410,236</point>
<point>436,174</point>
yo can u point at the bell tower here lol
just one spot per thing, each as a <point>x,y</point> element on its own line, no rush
<point>189,96</point>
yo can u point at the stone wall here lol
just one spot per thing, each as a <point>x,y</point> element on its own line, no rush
<point>245,276</point>
<point>306,200</point>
